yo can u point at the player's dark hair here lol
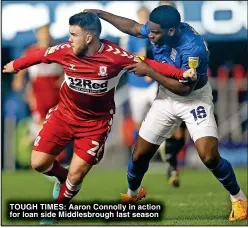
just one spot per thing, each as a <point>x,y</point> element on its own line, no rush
<point>166,16</point>
<point>87,21</point>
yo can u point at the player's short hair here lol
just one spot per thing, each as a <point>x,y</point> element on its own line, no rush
<point>166,16</point>
<point>87,21</point>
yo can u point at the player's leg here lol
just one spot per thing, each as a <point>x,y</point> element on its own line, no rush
<point>137,167</point>
<point>51,140</point>
<point>45,101</point>
<point>47,164</point>
<point>221,168</point>
<point>158,124</point>
<point>87,152</point>
<point>173,146</point>
<point>200,120</point>
<point>77,171</point>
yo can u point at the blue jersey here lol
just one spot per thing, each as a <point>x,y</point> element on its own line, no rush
<point>190,44</point>
<point>134,45</point>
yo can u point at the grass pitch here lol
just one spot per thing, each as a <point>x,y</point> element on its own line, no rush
<point>200,200</point>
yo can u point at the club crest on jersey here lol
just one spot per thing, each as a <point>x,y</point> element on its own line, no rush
<point>72,67</point>
<point>138,58</point>
<point>193,62</point>
<point>102,71</point>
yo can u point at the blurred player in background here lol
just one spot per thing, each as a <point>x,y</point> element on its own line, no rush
<point>84,114</point>
<point>176,142</point>
<point>142,90</point>
<point>168,3</point>
<point>180,45</point>
<point>42,91</point>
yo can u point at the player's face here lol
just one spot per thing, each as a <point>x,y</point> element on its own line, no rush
<point>158,35</point>
<point>79,39</point>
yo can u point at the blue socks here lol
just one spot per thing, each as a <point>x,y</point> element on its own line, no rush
<point>136,172</point>
<point>225,174</point>
<point>135,135</point>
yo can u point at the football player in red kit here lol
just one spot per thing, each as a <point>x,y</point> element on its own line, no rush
<point>86,107</point>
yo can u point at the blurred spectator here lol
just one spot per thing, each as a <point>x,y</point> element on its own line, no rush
<point>42,90</point>
<point>171,3</point>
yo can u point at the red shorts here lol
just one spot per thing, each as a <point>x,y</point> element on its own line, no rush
<point>89,136</point>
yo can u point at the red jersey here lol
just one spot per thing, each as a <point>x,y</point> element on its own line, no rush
<point>90,82</point>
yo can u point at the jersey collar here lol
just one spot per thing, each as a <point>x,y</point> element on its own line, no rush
<point>101,48</point>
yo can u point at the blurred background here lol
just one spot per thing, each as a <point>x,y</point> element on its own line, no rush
<point>28,25</point>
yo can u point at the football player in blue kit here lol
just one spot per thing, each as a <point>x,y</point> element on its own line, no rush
<point>191,101</point>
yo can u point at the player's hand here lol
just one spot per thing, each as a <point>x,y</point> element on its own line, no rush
<point>140,68</point>
<point>9,68</point>
<point>148,79</point>
<point>190,73</point>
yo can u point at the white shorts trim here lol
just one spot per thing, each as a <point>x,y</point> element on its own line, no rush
<point>208,131</point>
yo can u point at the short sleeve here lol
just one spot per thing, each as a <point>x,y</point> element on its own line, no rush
<point>55,53</point>
<point>144,30</point>
<point>192,57</point>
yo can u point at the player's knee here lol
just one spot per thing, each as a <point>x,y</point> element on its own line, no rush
<point>208,151</point>
<point>77,174</point>
<point>141,155</point>
<point>39,166</point>
<point>76,178</point>
<point>40,161</point>
<point>210,161</point>
<point>138,154</point>
<point>143,150</point>
<point>135,158</point>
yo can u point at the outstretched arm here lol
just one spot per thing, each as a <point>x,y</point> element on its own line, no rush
<point>50,55</point>
<point>165,74</point>
<point>125,25</point>
<point>24,62</point>
<point>157,71</point>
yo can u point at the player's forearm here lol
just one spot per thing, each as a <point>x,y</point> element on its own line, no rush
<point>30,60</point>
<point>170,83</point>
<point>166,69</point>
<point>125,25</point>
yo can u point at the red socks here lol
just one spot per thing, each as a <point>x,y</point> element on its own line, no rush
<point>67,192</point>
<point>58,171</point>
